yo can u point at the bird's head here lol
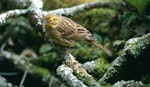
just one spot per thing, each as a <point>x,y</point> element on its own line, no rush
<point>51,20</point>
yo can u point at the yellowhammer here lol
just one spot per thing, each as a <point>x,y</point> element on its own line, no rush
<point>66,32</point>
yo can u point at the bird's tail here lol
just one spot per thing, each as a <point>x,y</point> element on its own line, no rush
<point>102,47</point>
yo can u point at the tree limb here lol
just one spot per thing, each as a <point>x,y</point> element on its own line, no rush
<point>132,49</point>
<point>78,70</point>
<point>23,64</point>
<point>89,66</point>
<point>67,75</point>
<point>82,7</point>
<point>130,83</point>
<point>11,13</point>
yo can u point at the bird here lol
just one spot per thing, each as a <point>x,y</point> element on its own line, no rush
<point>66,32</point>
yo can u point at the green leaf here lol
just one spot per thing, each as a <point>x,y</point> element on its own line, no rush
<point>124,32</point>
<point>45,48</point>
<point>140,5</point>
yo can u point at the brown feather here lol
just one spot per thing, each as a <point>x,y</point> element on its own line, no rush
<point>101,47</point>
<point>66,32</point>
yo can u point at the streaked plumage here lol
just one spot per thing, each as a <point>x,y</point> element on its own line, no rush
<point>66,32</point>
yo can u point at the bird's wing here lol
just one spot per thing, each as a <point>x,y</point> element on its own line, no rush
<point>72,30</point>
<point>68,27</point>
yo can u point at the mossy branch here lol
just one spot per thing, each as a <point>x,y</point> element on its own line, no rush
<point>80,72</point>
<point>23,64</point>
<point>76,67</point>
<point>67,75</point>
<point>132,49</point>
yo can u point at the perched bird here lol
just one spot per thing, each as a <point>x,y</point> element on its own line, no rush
<point>66,32</point>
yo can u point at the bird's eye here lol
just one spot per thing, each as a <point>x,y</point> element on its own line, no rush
<point>50,21</point>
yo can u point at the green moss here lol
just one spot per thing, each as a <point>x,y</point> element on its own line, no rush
<point>41,72</point>
<point>47,60</point>
<point>100,68</point>
<point>38,72</point>
<point>145,79</point>
<point>95,20</point>
<point>107,85</point>
<point>136,45</point>
<point>90,52</point>
<point>86,79</point>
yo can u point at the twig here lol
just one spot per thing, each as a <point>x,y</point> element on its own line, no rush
<point>8,74</point>
<point>130,83</point>
<point>3,46</point>
<point>11,13</point>
<point>23,79</point>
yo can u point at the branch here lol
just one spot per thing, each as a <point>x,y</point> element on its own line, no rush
<point>130,83</point>
<point>133,48</point>
<point>82,7</point>
<point>11,13</point>
<point>97,67</point>
<point>36,13</point>
<point>4,83</point>
<point>23,78</point>
<point>23,64</point>
<point>78,70</point>
<point>89,66</point>
<point>67,75</point>
<point>35,9</point>
<point>35,5</point>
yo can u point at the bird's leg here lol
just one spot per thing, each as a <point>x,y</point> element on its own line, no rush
<point>62,51</point>
<point>66,52</point>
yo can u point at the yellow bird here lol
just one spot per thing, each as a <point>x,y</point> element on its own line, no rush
<point>66,32</point>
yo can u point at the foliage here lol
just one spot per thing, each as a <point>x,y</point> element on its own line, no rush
<point>145,79</point>
<point>134,19</point>
<point>140,5</point>
<point>17,31</point>
<point>45,48</point>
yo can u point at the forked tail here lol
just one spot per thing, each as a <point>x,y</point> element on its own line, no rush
<point>102,47</point>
